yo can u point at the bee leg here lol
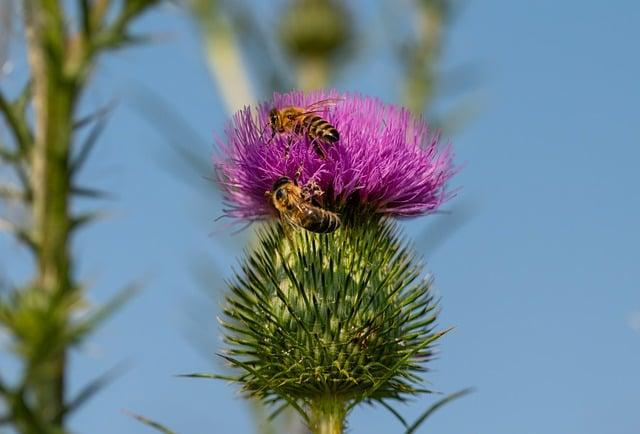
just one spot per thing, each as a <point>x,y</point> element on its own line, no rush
<point>287,147</point>
<point>298,175</point>
<point>273,134</point>
<point>311,190</point>
<point>316,143</point>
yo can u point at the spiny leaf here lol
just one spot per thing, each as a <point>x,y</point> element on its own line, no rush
<point>395,413</point>
<point>151,423</point>
<point>4,389</point>
<point>17,122</point>
<point>7,155</point>
<point>93,387</point>
<point>99,115</point>
<point>16,115</point>
<point>277,411</point>
<point>91,193</point>
<point>208,376</point>
<point>432,408</point>
<point>22,234</point>
<point>89,323</point>
<point>11,193</point>
<point>23,99</point>
<point>90,141</point>
<point>80,220</point>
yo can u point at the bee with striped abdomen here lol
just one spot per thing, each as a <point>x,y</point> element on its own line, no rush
<point>306,121</point>
<point>294,207</point>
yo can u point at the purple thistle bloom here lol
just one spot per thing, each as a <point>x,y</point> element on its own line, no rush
<point>385,160</point>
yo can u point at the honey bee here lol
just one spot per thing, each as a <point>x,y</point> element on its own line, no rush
<point>294,205</point>
<point>306,121</point>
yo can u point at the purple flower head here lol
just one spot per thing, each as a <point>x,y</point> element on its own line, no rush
<point>385,161</point>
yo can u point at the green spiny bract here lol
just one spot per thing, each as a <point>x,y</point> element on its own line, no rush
<point>346,315</point>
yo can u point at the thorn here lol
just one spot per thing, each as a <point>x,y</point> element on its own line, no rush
<point>12,193</point>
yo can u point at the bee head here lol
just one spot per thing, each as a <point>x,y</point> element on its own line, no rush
<point>274,119</point>
<point>279,191</point>
<point>283,180</point>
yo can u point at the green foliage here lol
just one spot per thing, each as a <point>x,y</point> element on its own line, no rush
<point>41,326</point>
<point>50,315</point>
<point>345,316</point>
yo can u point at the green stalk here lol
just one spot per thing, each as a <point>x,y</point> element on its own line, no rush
<point>313,73</point>
<point>223,54</point>
<point>60,60</point>
<point>327,415</point>
<point>54,100</point>
<point>419,84</point>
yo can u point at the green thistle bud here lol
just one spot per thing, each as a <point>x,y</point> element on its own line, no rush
<point>324,322</point>
<point>314,28</point>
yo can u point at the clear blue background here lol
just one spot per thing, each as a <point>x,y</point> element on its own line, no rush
<point>541,280</point>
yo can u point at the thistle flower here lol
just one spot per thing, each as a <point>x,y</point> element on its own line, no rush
<point>385,162</point>
<point>322,322</point>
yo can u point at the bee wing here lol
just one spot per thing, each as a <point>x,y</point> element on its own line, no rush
<point>285,224</point>
<point>319,106</point>
<point>288,219</point>
<point>292,217</point>
<point>288,225</point>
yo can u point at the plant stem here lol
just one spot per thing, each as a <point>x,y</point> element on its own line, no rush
<point>327,416</point>
<point>54,101</point>
<point>419,83</point>
<point>223,53</point>
<point>313,73</point>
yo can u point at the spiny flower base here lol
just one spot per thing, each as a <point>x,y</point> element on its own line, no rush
<point>345,315</point>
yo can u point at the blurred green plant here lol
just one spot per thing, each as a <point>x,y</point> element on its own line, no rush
<point>308,41</point>
<point>157,426</point>
<point>313,34</point>
<point>302,49</point>
<point>49,315</point>
<point>419,53</point>
<point>6,26</point>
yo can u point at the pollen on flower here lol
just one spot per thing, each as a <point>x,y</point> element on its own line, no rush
<point>385,160</point>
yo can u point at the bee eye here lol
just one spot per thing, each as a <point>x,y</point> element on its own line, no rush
<point>280,195</point>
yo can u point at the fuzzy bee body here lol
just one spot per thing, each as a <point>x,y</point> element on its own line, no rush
<point>305,121</point>
<point>316,127</point>
<point>295,209</point>
<point>316,219</point>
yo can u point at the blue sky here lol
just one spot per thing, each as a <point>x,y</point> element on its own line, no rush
<point>540,282</point>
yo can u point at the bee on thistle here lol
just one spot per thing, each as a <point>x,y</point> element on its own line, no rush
<point>388,162</point>
<point>294,206</point>
<point>307,122</point>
